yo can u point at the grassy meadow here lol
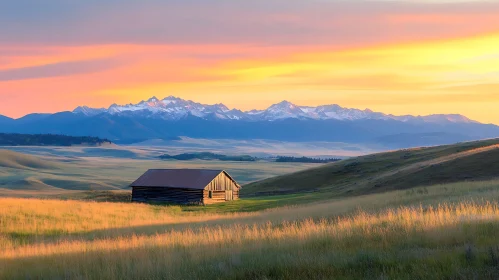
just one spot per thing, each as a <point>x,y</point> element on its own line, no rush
<point>427,213</point>
<point>446,232</point>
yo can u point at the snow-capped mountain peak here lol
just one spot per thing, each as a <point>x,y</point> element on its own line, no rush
<point>174,108</point>
<point>171,99</point>
<point>152,100</point>
<point>87,111</point>
<point>284,105</point>
<point>281,110</point>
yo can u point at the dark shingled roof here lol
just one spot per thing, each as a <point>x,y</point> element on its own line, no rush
<point>177,178</point>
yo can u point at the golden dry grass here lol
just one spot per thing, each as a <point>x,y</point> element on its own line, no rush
<point>47,239</point>
<point>405,219</point>
<point>29,220</point>
<point>233,250</point>
<point>33,220</point>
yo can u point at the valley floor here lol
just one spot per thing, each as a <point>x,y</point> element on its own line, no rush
<point>435,232</point>
<point>87,173</point>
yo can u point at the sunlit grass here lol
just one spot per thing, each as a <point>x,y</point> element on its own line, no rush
<point>35,219</point>
<point>376,239</point>
<point>447,231</point>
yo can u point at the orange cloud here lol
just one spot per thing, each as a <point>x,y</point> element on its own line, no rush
<point>433,76</point>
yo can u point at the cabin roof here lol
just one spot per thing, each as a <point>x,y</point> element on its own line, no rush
<point>178,178</point>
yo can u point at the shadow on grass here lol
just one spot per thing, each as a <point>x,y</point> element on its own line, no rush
<point>275,216</point>
<point>318,257</point>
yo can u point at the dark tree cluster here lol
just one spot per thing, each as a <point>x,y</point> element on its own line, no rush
<point>14,139</point>
<point>306,159</point>
<point>208,156</point>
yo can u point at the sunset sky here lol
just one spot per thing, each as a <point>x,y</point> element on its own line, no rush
<point>400,57</point>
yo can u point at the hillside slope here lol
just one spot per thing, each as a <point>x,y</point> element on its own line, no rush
<point>10,159</point>
<point>401,169</point>
<point>46,174</point>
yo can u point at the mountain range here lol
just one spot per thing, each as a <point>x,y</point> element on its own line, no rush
<point>172,117</point>
<point>173,108</point>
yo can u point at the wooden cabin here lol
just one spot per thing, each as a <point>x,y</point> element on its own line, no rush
<point>185,186</point>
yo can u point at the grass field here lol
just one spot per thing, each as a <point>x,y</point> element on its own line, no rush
<point>427,213</point>
<point>446,231</point>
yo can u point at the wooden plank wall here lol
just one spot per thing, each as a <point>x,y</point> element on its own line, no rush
<point>219,186</point>
<point>167,195</point>
<point>217,197</point>
<point>221,183</point>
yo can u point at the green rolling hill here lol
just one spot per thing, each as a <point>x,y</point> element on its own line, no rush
<point>403,169</point>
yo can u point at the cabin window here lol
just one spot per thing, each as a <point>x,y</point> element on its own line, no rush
<point>210,194</point>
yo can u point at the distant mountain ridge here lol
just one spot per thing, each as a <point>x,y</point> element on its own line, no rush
<point>4,119</point>
<point>174,108</point>
<point>173,117</point>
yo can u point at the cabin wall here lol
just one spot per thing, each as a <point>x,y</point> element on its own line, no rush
<point>167,195</point>
<point>221,183</point>
<point>217,197</point>
<point>222,189</point>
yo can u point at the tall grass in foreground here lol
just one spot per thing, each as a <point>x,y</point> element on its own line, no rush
<point>448,241</point>
<point>31,218</point>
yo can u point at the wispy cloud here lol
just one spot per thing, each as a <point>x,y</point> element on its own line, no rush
<point>389,55</point>
<point>61,69</point>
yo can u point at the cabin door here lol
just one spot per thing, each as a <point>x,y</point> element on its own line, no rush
<point>229,195</point>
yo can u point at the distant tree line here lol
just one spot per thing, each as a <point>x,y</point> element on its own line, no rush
<point>208,156</point>
<point>14,139</point>
<point>213,156</point>
<point>306,159</point>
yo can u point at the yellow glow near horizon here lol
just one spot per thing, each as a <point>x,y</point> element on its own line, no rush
<point>424,78</point>
<point>442,76</point>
